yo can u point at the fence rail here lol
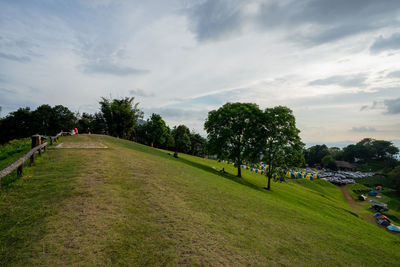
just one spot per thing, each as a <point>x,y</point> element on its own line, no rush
<point>37,147</point>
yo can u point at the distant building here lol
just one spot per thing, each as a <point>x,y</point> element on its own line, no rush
<point>345,166</point>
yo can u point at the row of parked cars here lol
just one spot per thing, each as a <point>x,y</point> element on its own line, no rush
<point>344,177</point>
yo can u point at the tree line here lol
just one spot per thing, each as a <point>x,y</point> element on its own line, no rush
<point>368,151</point>
<point>117,117</point>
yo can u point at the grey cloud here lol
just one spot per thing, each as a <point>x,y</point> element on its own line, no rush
<point>342,80</point>
<point>6,91</point>
<point>216,19</point>
<point>12,57</point>
<point>389,43</point>
<point>392,106</point>
<point>140,92</point>
<point>394,74</point>
<point>375,105</point>
<point>113,69</point>
<point>363,129</point>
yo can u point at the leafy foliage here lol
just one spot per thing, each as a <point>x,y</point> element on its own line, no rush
<point>329,162</point>
<point>279,140</point>
<point>120,116</point>
<point>233,132</point>
<point>181,136</point>
<point>157,130</point>
<point>314,154</point>
<point>44,120</point>
<point>370,149</point>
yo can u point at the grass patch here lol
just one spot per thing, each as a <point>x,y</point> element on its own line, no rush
<point>13,150</point>
<point>131,204</point>
<point>374,181</point>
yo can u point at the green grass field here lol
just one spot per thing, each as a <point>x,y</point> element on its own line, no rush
<point>130,204</point>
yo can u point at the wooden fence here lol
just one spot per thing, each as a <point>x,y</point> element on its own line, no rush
<point>36,147</point>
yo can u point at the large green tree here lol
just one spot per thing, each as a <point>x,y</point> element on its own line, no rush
<point>157,130</point>
<point>120,115</point>
<point>197,144</point>
<point>233,132</point>
<point>181,136</point>
<point>314,154</point>
<point>279,140</point>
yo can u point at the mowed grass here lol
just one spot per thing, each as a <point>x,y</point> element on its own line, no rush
<point>130,204</point>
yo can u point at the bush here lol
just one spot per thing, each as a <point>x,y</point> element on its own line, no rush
<point>329,162</point>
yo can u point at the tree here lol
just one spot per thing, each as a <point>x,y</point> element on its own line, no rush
<point>197,144</point>
<point>329,162</point>
<point>157,130</point>
<point>120,116</point>
<point>170,143</point>
<point>279,140</point>
<point>314,154</point>
<point>336,153</point>
<point>181,137</point>
<point>16,125</point>
<point>61,119</point>
<point>384,149</point>
<point>41,119</point>
<point>232,132</point>
<point>370,149</point>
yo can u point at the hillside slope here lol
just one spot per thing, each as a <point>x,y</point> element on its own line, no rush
<point>135,205</point>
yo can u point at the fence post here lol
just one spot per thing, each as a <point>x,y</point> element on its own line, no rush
<point>36,140</point>
<point>20,169</point>
<point>33,158</point>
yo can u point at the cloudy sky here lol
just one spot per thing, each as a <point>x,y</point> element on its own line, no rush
<point>336,64</point>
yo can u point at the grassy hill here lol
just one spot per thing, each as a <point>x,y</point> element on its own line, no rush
<point>130,204</point>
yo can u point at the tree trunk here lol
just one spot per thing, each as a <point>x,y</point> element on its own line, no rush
<point>269,183</point>
<point>239,171</point>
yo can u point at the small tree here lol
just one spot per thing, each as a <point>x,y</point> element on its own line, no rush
<point>329,162</point>
<point>120,116</point>
<point>157,130</point>
<point>279,140</point>
<point>197,144</point>
<point>181,137</point>
<point>232,132</point>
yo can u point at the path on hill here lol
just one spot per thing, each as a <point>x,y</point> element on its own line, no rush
<point>354,206</point>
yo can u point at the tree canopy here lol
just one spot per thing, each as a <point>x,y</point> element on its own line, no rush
<point>279,140</point>
<point>181,136</point>
<point>314,154</point>
<point>232,132</point>
<point>44,120</point>
<point>370,149</point>
<point>120,116</point>
<point>157,130</point>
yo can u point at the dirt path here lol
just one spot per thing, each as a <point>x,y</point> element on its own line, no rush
<point>354,206</point>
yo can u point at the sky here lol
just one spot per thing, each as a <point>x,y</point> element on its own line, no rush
<point>334,63</point>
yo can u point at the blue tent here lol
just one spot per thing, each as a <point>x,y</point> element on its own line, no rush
<point>393,228</point>
<point>372,193</point>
